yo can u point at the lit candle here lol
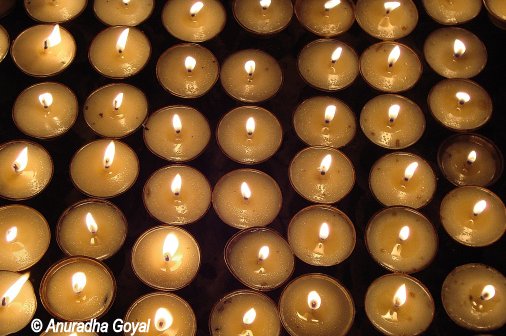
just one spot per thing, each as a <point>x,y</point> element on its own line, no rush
<point>474,296</point>
<point>251,76</point>
<point>177,195</point>
<point>17,302</point>
<point>326,18</point>
<point>119,52</point>
<point>259,258</point>
<point>166,313</point>
<point>166,258</point>
<point>194,21</point>
<point>401,239</point>
<point>387,20</point>
<point>263,16</point>
<point>123,12</point>
<point>455,53</point>
<point>460,104</point>
<point>25,170</point>
<point>397,304</point>
<point>24,237</point>
<point>321,235</point>
<point>245,313</point>
<point>473,216</point>
<point>402,179</point>
<point>6,6</point>
<point>470,159</point>
<point>177,133</point>
<point>328,65</point>
<point>4,43</point>
<point>187,70</point>
<point>116,110</point>
<point>92,228</point>
<point>54,10</point>
<point>78,289</point>
<point>45,110</point>
<point>245,198</point>
<point>43,50</point>
<point>249,134</point>
<point>452,12</point>
<point>316,305</point>
<point>392,121</point>
<point>104,168</point>
<point>390,67</point>
<point>322,174</point>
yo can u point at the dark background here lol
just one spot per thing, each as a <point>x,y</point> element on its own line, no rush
<point>214,280</point>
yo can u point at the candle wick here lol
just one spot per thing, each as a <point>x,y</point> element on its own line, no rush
<point>4,301</point>
<point>392,120</point>
<point>46,45</point>
<point>314,304</point>
<point>327,121</point>
<point>406,179</point>
<point>322,172</point>
<point>250,133</point>
<point>176,193</point>
<point>189,70</point>
<point>107,165</point>
<point>457,55</point>
<point>167,258</point>
<point>388,11</point>
<point>178,131</point>
<point>16,167</point>
<point>390,64</point>
<point>469,162</point>
<point>193,14</point>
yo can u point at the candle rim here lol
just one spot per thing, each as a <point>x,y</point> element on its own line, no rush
<point>449,22</point>
<point>6,33</point>
<point>262,33</point>
<point>131,24</point>
<point>310,28</point>
<point>35,17</point>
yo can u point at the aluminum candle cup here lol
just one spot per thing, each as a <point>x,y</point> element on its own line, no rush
<point>325,18</point>
<point>55,10</point>
<point>452,12</point>
<point>123,12</point>
<point>25,237</point>
<point>324,121</point>
<point>4,43</point>
<point>321,235</point>
<point>263,17</point>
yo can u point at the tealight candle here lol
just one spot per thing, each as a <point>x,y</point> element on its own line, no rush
<point>25,170</point>
<point>321,174</point>
<point>194,21</point>
<point>326,18</point>
<point>397,304</point>
<point>104,168</point>
<point>25,237</point>
<point>166,313</point>
<point>78,289</point>
<point>324,121</point>
<point>93,228</point>
<point>460,104</point>
<point>321,235</point>
<point>473,216</point>
<point>263,16</point>
<point>43,50</point>
<point>316,305</point>
<point>119,52</point>
<point>452,12</point>
<point>251,76</point>
<point>116,110</point>
<point>249,134</point>
<point>187,70</point>
<point>18,302</point>
<point>470,159</point>
<point>45,110</point>
<point>177,195</point>
<point>392,121</point>
<point>259,258</point>
<point>123,12</point>
<point>245,198</point>
<point>402,179</point>
<point>386,20</point>
<point>4,43</point>
<point>474,296</point>
<point>497,9</point>
<point>6,6</point>
<point>455,53</point>
<point>166,258</point>
<point>55,10</point>
<point>177,133</point>
<point>245,312</point>
<point>328,65</point>
<point>401,239</point>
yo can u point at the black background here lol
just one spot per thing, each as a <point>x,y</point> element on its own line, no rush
<point>214,280</point>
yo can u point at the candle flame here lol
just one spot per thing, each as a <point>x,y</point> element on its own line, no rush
<point>170,246</point>
<point>265,3</point>
<point>331,4</point>
<point>393,112</point>
<point>46,99</point>
<point>176,184</point>
<point>118,101</point>
<point>21,160</point>
<point>11,234</point>
<point>249,67</point>
<point>263,253</point>
<point>122,40</point>
<point>459,48</point>
<point>330,113</point>
<point>463,97</point>
<point>400,296</point>
<point>126,2</point>
<point>410,170</point>
<point>109,154</point>
<point>488,292</point>
<point>404,233</point>
<point>196,8</point>
<point>78,282</point>
<point>54,38</point>
<point>394,56</point>
<point>325,164</point>
<point>324,231</point>
<point>479,207</point>
<point>471,158</point>
<point>91,224</point>
<point>391,5</point>
<point>14,290</point>
<point>163,319</point>
<point>314,300</point>
<point>190,63</point>
<point>245,191</point>
<point>249,316</point>
<point>336,54</point>
<point>250,126</point>
<point>176,123</point>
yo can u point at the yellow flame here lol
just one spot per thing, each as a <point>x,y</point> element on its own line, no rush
<point>324,231</point>
<point>393,112</point>
<point>118,101</point>
<point>263,253</point>
<point>314,300</point>
<point>196,8</point>
<point>394,56</point>
<point>325,164</point>
<point>126,2</point>
<point>249,316</point>
<point>391,5</point>
<point>163,319</point>
<point>78,282</point>
<point>11,234</point>
<point>21,160</point>
<point>245,191</point>
<point>331,4</point>
<point>400,296</point>
<point>410,170</point>
<point>463,97</point>
<point>488,292</point>
<point>176,123</point>
<point>471,157</point>
<point>336,54</point>
<point>250,125</point>
<point>14,290</point>
<point>479,207</point>
<point>330,113</point>
<point>404,233</point>
<point>249,67</point>
<point>46,99</point>
<point>265,3</point>
<point>91,224</point>
<point>170,246</point>
<point>122,40</point>
<point>54,38</point>
<point>176,184</point>
<point>459,48</point>
<point>109,153</point>
<point>190,63</point>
